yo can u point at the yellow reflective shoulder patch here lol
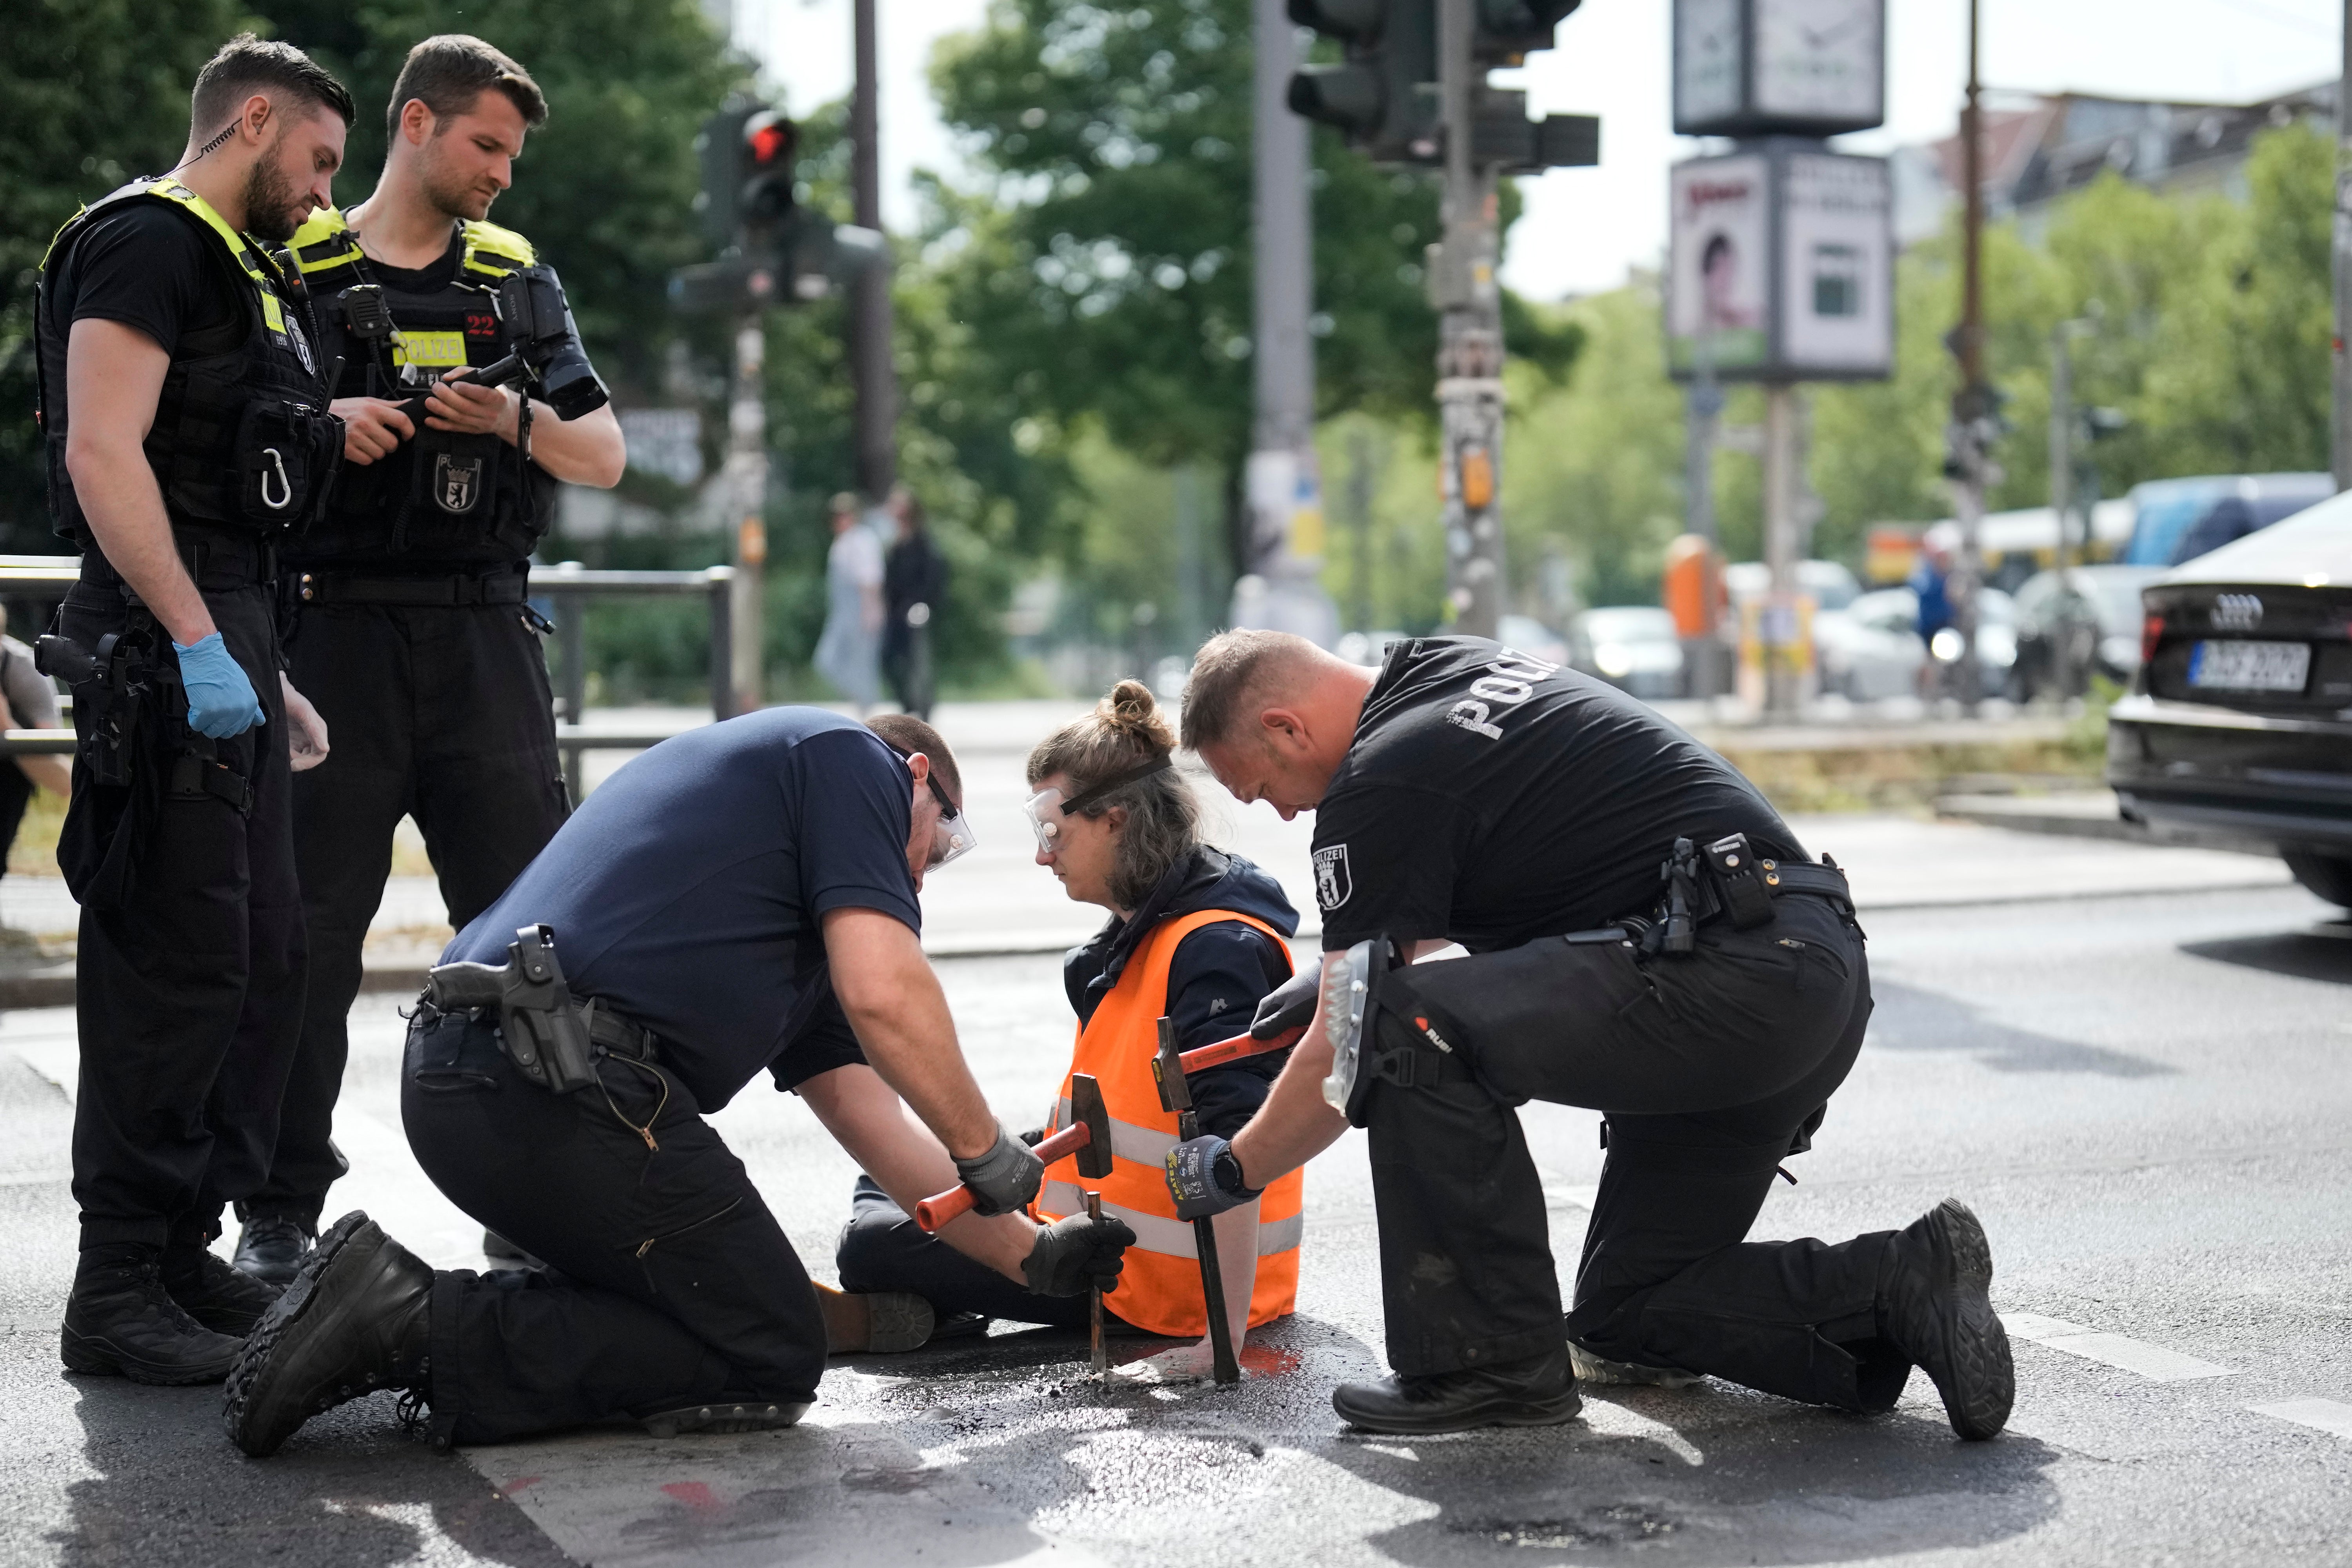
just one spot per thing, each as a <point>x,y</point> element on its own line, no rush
<point>495,250</point>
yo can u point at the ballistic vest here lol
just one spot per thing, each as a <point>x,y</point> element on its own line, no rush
<point>241,443</point>
<point>441,500</point>
<point>1159,1288</point>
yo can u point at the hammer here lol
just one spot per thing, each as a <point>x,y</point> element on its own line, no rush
<point>1175,1095</point>
<point>1236,1048</point>
<point>1087,1136</point>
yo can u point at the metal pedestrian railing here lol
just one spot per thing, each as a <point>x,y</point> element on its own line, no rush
<point>568,585</point>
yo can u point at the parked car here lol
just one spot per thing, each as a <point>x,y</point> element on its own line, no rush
<point>1871,648</point>
<point>1632,647</point>
<point>2091,615</point>
<point>2180,519</point>
<point>1831,584</point>
<point>1530,636</point>
<point>2242,722</point>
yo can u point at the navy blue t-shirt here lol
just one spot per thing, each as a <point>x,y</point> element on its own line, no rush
<point>688,890</point>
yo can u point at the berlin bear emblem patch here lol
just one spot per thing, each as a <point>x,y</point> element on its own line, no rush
<point>1332,884</point>
<point>456,482</point>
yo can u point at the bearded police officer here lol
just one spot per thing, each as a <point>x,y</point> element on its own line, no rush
<point>740,900</point>
<point>1647,939</point>
<point>183,414</point>
<point>409,629</point>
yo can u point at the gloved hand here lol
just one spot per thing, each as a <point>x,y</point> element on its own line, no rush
<point>1004,1179</point>
<point>221,702</point>
<point>1289,1005</point>
<point>1077,1253</point>
<point>1205,1178</point>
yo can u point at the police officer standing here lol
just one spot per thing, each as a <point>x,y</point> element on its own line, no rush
<point>409,629</point>
<point>1647,939</point>
<point>182,406</point>
<point>739,900</point>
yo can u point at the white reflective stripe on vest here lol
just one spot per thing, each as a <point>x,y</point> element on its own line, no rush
<point>1170,1237</point>
<point>1144,1146</point>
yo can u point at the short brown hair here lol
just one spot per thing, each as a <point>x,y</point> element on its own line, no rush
<point>448,72</point>
<point>905,735</point>
<point>246,64</point>
<point>1229,668</point>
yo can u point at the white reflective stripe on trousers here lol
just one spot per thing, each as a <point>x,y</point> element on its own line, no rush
<point>1170,1237</point>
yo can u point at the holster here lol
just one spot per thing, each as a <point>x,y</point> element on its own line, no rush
<point>541,1029</point>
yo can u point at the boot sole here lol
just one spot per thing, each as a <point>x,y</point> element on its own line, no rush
<point>95,1358</point>
<point>874,1322</point>
<point>722,1419</point>
<point>1515,1413</point>
<point>1982,1382</point>
<point>252,1365</point>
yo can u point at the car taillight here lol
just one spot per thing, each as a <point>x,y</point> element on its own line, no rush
<point>2151,632</point>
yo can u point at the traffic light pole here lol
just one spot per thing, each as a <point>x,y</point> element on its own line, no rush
<point>869,295</point>
<point>1469,343</point>
<point>1971,427</point>
<point>2340,426</point>
<point>747,457</point>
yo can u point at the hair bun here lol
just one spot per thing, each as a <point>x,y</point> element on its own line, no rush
<point>1132,711</point>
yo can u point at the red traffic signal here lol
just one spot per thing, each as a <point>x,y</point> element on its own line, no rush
<point>769,141</point>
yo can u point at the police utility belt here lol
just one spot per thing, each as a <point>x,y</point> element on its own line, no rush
<point>551,1038</point>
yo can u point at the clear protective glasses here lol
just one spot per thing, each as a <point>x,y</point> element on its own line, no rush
<point>953,838</point>
<point>1045,811</point>
<point>1048,809</point>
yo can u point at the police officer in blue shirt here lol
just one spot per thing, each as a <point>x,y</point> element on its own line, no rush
<point>740,900</point>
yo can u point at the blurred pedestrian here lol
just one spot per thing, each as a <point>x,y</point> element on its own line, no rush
<point>914,583</point>
<point>28,700</point>
<point>1930,583</point>
<point>848,651</point>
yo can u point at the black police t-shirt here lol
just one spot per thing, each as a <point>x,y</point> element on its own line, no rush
<point>688,891</point>
<point>1491,798</point>
<point>150,267</point>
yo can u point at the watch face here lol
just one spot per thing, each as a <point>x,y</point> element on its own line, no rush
<point>1707,61</point>
<point>1820,59</point>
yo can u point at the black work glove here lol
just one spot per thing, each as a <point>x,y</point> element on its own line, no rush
<point>1075,1254</point>
<point>1289,1005</point>
<point>1004,1179</point>
<point>1205,1179</point>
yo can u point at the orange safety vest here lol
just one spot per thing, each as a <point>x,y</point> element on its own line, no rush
<point>1160,1288</point>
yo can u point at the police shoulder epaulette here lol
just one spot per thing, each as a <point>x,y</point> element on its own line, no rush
<point>324,242</point>
<point>494,250</point>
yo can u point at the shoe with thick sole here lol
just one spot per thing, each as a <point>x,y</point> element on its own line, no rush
<point>353,1321</point>
<point>722,1416</point>
<point>1601,1372</point>
<point>873,1323</point>
<point>121,1322</point>
<point>224,1300</point>
<point>1936,1306</point>
<point>271,1246</point>
<point>1537,1392</point>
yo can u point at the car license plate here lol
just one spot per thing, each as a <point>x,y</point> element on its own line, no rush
<point>2233,666</point>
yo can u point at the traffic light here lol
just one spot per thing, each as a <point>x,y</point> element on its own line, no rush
<point>747,153</point>
<point>770,148</point>
<point>1384,98</point>
<point>1504,32</point>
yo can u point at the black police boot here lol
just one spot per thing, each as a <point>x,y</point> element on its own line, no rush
<point>119,1320</point>
<point>271,1246</point>
<point>353,1321</point>
<point>1537,1392</point>
<point>1933,1307</point>
<point>214,1294</point>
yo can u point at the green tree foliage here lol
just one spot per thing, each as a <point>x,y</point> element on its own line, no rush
<point>92,93</point>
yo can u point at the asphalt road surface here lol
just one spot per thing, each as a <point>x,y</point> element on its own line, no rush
<point>2145,1095</point>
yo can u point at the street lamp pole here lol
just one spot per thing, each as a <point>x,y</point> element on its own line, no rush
<point>1971,424</point>
<point>1469,344</point>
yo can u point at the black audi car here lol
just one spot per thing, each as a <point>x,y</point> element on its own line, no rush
<point>2240,727</point>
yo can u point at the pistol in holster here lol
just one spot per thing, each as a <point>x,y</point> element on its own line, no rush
<point>112,685</point>
<point>542,1030</point>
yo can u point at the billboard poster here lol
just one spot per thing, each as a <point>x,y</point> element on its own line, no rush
<point>1780,265</point>
<point>1837,318</point>
<point>1718,297</point>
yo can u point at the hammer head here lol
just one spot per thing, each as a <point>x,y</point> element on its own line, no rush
<point>1086,1110</point>
<point>1168,1069</point>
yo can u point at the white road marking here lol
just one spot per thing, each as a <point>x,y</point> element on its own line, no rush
<point>2329,1415</point>
<point>2151,1362</point>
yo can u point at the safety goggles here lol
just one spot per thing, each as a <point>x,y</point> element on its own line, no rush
<point>953,838</point>
<point>1048,810</point>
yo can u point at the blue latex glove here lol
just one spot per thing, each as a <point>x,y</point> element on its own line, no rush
<point>1205,1178</point>
<point>221,702</point>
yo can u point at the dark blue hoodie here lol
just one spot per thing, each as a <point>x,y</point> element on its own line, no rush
<point>1214,979</point>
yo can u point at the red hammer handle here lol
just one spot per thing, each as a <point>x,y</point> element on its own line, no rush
<point>1239,1047</point>
<point>935,1212</point>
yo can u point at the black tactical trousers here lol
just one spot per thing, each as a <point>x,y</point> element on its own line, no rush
<point>1709,1069</point>
<point>442,714</point>
<point>882,1249</point>
<point>670,1282</point>
<point>189,995</point>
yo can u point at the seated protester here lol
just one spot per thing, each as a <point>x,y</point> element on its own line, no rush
<point>1195,933</point>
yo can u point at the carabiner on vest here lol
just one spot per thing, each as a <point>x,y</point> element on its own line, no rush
<point>284,486</point>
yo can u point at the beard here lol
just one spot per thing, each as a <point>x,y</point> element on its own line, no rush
<point>452,195</point>
<point>273,206</point>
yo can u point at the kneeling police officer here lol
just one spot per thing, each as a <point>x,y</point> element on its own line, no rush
<point>740,900</point>
<point>1647,939</point>
<point>184,418</point>
<point>407,624</point>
